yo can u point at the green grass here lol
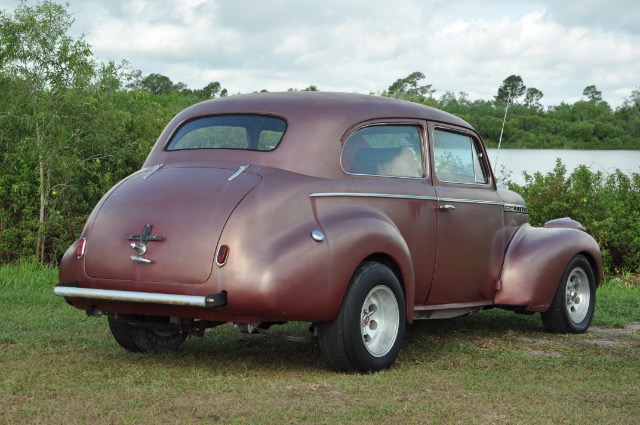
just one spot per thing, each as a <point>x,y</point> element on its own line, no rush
<point>59,366</point>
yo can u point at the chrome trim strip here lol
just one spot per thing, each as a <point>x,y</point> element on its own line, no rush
<point>452,306</point>
<point>371,195</point>
<point>515,208</point>
<point>153,170</point>
<point>237,173</point>
<point>130,296</point>
<point>471,201</point>
<point>507,207</point>
<point>139,259</point>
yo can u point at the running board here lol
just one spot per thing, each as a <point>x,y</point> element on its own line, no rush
<point>444,313</point>
<point>213,300</point>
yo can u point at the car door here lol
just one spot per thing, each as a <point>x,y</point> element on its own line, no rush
<point>393,178</point>
<point>469,220</point>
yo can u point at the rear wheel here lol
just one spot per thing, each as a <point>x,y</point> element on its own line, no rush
<point>154,336</point>
<point>367,333</point>
<point>573,305</point>
<point>123,333</point>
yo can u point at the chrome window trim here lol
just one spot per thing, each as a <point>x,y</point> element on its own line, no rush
<point>386,177</point>
<point>476,142</point>
<point>424,147</point>
<point>183,123</point>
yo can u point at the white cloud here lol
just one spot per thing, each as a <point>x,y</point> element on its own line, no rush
<point>365,45</point>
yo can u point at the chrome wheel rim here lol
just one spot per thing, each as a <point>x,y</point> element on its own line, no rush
<point>578,295</point>
<point>379,321</point>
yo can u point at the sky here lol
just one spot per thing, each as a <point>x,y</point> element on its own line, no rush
<point>363,46</point>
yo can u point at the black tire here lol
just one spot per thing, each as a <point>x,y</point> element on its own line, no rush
<point>124,334</point>
<point>138,338</point>
<point>574,303</point>
<point>367,333</point>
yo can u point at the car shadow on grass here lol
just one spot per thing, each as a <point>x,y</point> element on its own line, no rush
<point>226,349</point>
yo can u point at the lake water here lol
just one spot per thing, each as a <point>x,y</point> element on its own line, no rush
<point>517,161</point>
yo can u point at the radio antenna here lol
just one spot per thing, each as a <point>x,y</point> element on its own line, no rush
<point>504,120</point>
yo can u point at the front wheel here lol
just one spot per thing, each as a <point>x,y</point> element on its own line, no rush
<point>573,305</point>
<point>367,333</point>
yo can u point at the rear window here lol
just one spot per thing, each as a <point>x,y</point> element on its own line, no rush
<point>244,132</point>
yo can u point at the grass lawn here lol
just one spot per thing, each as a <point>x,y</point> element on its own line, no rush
<point>59,366</point>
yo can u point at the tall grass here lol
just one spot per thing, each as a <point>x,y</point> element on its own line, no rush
<point>27,272</point>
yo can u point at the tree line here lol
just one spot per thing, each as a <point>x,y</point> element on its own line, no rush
<point>590,123</point>
<point>71,127</point>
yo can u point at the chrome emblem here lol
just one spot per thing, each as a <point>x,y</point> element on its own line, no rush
<point>141,246</point>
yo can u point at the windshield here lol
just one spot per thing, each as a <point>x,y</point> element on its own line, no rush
<point>245,132</point>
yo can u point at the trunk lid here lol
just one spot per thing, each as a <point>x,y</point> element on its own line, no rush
<point>177,213</point>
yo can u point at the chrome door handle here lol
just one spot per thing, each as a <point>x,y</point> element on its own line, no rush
<point>447,207</point>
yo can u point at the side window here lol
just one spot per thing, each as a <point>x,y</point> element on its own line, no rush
<point>384,150</point>
<point>457,158</point>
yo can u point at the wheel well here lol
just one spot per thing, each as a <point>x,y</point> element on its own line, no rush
<point>594,266</point>
<point>385,260</point>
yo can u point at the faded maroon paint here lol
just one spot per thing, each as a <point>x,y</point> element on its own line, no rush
<point>477,254</point>
<point>187,206</point>
<point>536,260</point>
<point>317,124</point>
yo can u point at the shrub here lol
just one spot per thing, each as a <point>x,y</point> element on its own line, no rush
<point>607,206</point>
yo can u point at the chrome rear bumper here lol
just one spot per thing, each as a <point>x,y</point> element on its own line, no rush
<point>213,300</point>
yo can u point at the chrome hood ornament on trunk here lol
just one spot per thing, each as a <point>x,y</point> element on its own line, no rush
<point>141,247</point>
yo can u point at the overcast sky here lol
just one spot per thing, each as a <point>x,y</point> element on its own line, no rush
<point>363,46</point>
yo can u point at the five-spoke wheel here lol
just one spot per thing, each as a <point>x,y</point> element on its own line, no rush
<point>367,333</point>
<point>573,305</point>
<point>379,324</point>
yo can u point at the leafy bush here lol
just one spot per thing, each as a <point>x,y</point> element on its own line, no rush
<point>608,206</point>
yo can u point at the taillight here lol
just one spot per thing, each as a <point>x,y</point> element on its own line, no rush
<point>222,255</point>
<point>82,245</point>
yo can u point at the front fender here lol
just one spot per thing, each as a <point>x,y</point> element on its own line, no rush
<point>355,234</point>
<point>535,261</point>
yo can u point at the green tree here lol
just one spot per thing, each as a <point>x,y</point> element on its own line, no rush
<point>211,90</point>
<point>592,94</point>
<point>309,88</point>
<point>409,85</point>
<point>532,97</point>
<point>511,89</point>
<point>633,101</point>
<point>43,64</point>
<point>159,84</point>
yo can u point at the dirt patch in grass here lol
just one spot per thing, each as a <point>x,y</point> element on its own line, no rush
<point>542,346</point>
<point>629,336</point>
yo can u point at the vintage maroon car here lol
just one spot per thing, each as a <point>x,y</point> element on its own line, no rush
<point>356,213</point>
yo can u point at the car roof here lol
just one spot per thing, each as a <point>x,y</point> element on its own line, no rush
<point>317,123</point>
<point>302,105</point>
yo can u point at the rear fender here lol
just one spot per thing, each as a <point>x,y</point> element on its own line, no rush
<point>535,261</point>
<point>354,234</point>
